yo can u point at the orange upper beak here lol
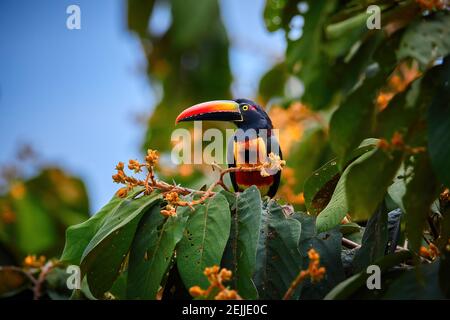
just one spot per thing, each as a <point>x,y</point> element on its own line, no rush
<point>219,110</point>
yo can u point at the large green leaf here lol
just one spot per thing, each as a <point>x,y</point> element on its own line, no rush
<point>36,231</point>
<point>374,241</point>
<point>367,181</point>
<point>240,254</point>
<point>397,189</point>
<point>328,245</point>
<point>278,259</point>
<point>427,39</point>
<point>78,236</point>
<point>410,287</point>
<point>421,191</point>
<point>204,240</point>
<point>439,127</point>
<point>103,257</point>
<point>151,252</point>
<point>337,208</point>
<point>321,183</point>
<point>355,119</point>
<point>347,288</point>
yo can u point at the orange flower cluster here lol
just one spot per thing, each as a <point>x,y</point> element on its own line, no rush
<point>431,4</point>
<point>287,190</point>
<point>430,253</point>
<point>173,200</point>
<point>216,277</point>
<point>397,143</point>
<point>314,272</point>
<point>121,177</point>
<point>31,261</point>
<point>292,122</point>
<point>18,190</point>
<point>400,79</point>
<point>135,166</point>
<point>152,157</point>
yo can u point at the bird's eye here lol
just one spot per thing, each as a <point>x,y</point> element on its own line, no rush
<point>245,107</point>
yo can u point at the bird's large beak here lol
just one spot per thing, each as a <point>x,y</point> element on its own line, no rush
<point>220,110</point>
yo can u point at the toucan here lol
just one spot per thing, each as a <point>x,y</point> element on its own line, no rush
<point>256,141</point>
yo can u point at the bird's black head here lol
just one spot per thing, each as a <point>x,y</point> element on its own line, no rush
<point>245,113</point>
<point>253,116</point>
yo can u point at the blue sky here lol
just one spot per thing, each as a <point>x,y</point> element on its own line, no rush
<point>74,94</point>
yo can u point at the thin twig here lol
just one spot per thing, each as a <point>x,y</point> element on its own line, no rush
<point>37,290</point>
<point>353,245</point>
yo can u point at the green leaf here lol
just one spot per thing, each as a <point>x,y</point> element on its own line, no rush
<point>278,260</point>
<point>337,208</point>
<point>321,183</point>
<point>240,254</point>
<point>204,240</point>
<point>421,191</point>
<point>426,40</point>
<point>319,187</point>
<point>355,119</point>
<point>350,228</point>
<point>103,257</point>
<point>119,288</point>
<point>151,251</point>
<point>328,245</point>
<point>439,127</point>
<point>368,180</point>
<point>78,236</point>
<point>347,288</point>
<point>397,189</point>
<point>410,287</point>
<point>374,241</point>
<point>36,231</point>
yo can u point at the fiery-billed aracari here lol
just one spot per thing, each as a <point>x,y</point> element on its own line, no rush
<point>249,117</point>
